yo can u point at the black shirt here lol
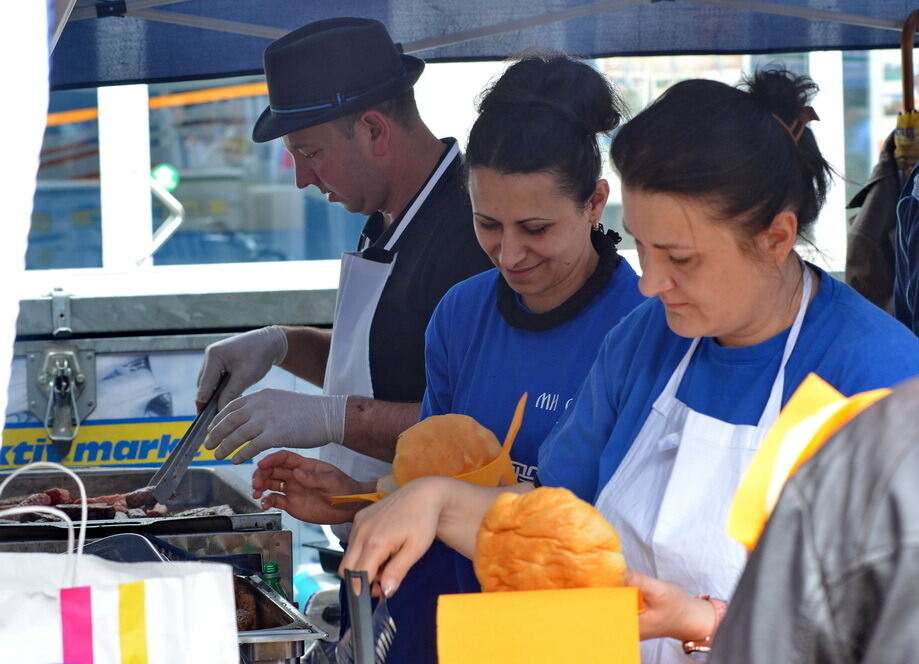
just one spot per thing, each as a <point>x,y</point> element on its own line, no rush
<point>437,250</point>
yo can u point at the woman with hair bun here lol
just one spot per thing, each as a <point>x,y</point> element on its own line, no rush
<point>718,184</point>
<point>533,324</point>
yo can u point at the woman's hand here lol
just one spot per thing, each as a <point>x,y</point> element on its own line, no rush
<point>302,488</point>
<point>669,611</point>
<point>392,535</point>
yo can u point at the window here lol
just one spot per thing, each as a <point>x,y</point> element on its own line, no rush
<point>240,203</point>
<point>66,230</point>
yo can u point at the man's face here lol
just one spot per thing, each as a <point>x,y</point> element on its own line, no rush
<point>334,163</point>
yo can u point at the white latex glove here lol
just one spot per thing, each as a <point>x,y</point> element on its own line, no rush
<point>276,418</point>
<point>247,357</point>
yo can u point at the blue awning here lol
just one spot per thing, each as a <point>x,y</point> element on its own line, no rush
<point>160,40</point>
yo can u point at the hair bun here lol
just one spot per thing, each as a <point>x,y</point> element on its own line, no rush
<point>542,115</point>
<point>570,88</point>
<point>781,91</point>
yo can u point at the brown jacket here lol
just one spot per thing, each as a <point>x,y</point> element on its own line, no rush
<point>870,250</point>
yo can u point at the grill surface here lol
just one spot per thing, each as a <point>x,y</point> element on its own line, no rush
<point>201,487</point>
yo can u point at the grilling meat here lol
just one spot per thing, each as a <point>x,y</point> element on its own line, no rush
<point>36,499</point>
<point>137,504</point>
<point>140,498</point>
<point>59,496</point>
<point>122,502</point>
<point>116,501</point>
<point>245,605</point>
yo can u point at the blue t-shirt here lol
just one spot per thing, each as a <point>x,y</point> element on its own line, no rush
<point>844,339</point>
<point>478,364</point>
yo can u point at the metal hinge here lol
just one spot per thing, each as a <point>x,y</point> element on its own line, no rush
<point>60,313</point>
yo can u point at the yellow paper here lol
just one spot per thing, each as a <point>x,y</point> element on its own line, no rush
<point>812,415</point>
<point>539,627</point>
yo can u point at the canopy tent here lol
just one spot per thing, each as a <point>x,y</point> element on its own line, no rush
<point>128,41</point>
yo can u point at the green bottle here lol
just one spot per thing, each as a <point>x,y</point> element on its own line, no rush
<point>272,577</point>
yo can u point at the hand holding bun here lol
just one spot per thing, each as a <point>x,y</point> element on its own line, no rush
<point>546,539</point>
<point>447,445</point>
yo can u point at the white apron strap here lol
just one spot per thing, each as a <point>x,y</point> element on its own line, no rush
<point>774,405</point>
<point>422,196</point>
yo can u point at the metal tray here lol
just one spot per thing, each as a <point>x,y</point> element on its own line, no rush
<point>201,487</point>
<point>282,630</point>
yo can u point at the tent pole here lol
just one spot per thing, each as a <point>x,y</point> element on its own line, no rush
<point>804,12</point>
<point>62,11</point>
<point>250,29</point>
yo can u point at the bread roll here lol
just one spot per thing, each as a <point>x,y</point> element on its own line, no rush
<point>546,539</point>
<point>445,445</point>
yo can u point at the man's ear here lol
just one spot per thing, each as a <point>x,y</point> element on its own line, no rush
<point>375,130</point>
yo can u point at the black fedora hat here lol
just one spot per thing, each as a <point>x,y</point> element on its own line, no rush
<point>328,69</point>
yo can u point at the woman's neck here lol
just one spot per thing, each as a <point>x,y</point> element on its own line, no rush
<point>771,320</point>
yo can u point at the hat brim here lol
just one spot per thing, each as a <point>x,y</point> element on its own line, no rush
<point>270,126</point>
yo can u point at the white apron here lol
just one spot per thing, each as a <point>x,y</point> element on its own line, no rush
<point>669,498</point>
<point>359,289</point>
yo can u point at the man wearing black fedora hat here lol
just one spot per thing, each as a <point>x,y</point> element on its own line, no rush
<point>341,100</point>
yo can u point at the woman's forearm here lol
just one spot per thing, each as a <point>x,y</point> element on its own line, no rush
<point>463,511</point>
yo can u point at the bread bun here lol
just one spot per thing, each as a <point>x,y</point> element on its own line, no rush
<point>546,539</point>
<point>445,445</point>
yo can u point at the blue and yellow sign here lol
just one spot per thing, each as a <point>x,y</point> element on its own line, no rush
<point>136,443</point>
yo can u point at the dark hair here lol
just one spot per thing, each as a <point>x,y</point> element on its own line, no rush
<point>401,108</point>
<point>731,146</point>
<point>543,115</point>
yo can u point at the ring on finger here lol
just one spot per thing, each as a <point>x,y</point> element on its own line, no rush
<point>282,486</point>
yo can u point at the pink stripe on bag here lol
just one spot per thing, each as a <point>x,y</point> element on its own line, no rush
<point>77,625</point>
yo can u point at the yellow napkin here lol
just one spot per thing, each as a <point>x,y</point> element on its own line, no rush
<point>539,627</point>
<point>812,415</point>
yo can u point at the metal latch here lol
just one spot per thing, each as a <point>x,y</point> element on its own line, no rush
<point>62,391</point>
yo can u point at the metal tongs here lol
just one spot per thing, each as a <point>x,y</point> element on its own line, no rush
<point>371,635</point>
<point>167,478</point>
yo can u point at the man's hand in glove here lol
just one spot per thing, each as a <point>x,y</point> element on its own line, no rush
<point>246,357</point>
<point>276,418</point>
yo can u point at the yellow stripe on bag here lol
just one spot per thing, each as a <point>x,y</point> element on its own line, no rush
<point>132,623</point>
